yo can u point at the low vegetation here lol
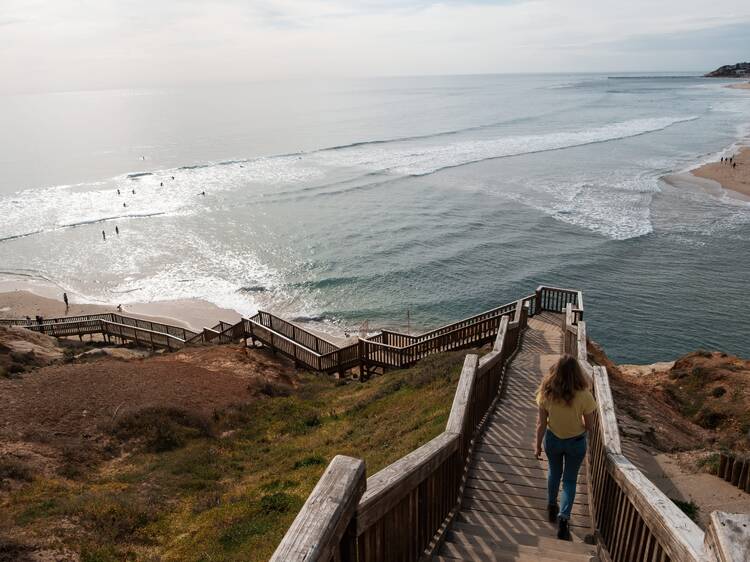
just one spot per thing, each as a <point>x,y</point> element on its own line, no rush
<point>223,487</point>
<point>713,390</point>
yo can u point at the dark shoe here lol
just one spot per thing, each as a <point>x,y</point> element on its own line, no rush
<point>563,531</point>
<point>552,511</point>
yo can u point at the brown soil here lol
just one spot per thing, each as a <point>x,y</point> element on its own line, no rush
<point>59,414</point>
<point>673,420</point>
<point>643,409</point>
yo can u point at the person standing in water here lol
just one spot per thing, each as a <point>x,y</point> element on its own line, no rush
<point>104,236</point>
<point>566,415</point>
<point>117,230</point>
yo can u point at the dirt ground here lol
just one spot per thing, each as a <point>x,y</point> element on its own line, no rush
<point>53,412</point>
<point>657,408</point>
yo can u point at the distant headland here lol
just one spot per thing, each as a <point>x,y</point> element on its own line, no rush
<point>739,70</point>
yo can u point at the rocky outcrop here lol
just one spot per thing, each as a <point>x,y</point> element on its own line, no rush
<point>739,70</point>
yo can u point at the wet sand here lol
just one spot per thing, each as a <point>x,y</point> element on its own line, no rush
<point>736,179</point>
<point>743,86</point>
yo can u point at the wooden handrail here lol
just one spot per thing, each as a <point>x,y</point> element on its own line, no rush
<point>406,504</point>
<point>318,528</point>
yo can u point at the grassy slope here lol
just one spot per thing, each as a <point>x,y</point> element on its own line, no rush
<point>232,497</point>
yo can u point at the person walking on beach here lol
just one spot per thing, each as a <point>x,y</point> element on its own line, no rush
<point>118,192</point>
<point>65,299</point>
<point>104,236</point>
<point>566,414</point>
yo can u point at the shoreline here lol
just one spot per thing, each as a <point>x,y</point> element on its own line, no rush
<point>29,297</point>
<point>741,86</point>
<point>734,179</point>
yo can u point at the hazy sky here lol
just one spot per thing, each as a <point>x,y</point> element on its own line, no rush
<point>66,44</point>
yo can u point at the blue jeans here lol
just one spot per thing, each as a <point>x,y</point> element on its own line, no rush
<point>564,457</point>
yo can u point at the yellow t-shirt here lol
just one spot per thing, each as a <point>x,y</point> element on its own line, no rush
<point>565,420</point>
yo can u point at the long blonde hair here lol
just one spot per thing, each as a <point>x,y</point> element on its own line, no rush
<point>565,378</point>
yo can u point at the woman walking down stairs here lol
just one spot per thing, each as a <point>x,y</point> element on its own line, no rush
<point>503,513</point>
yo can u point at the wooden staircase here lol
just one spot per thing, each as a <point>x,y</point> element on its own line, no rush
<point>503,514</point>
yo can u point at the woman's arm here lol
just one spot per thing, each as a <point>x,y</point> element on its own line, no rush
<point>541,427</point>
<point>588,423</point>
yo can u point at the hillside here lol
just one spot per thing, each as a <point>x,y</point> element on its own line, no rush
<point>205,454</point>
<point>739,70</point>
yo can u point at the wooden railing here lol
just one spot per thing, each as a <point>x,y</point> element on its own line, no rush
<point>294,333</point>
<point>405,510</point>
<point>396,350</point>
<point>407,506</point>
<point>142,332</point>
<point>634,520</point>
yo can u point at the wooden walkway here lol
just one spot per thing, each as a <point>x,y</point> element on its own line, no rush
<point>503,513</point>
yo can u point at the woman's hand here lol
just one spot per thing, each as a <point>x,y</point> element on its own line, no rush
<point>541,427</point>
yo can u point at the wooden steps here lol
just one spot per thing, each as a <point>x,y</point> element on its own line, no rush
<point>503,513</point>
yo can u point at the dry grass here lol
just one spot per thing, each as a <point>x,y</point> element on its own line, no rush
<point>228,488</point>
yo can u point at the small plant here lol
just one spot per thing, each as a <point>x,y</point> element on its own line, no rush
<point>161,428</point>
<point>14,469</point>
<point>709,463</point>
<point>718,392</point>
<point>278,502</point>
<point>312,460</point>
<point>708,418</point>
<point>273,390</point>
<point>689,508</point>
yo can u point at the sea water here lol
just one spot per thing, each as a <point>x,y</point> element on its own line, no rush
<point>391,202</point>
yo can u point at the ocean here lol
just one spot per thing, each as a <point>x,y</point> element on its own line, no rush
<point>393,202</point>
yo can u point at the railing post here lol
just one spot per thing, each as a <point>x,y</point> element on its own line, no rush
<point>727,538</point>
<point>538,300</point>
<point>317,532</point>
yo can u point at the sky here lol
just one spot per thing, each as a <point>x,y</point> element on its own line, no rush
<point>63,45</point>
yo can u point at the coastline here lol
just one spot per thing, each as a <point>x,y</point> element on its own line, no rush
<point>36,297</point>
<point>31,297</point>
<point>741,86</point>
<point>735,179</point>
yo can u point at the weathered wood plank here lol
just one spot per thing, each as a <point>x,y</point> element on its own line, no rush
<point>728,536</point>
<point>316,532</point>
<point>388,486</point>
<point>606,410</point>
<point>678,535</point>
<point>464,393</point>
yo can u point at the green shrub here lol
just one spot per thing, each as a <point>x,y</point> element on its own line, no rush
<point>278,502</point>
<point>161,428</point>
<point>15,470</point>
<point>689,508</point>
<point>709,463</point>
<point>312,460</point>
<point>710,419</point>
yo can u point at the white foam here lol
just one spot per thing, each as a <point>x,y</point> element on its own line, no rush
<point>409,159</point>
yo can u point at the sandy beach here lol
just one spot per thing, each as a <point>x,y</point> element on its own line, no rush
<point>742,86</point>
<point>18,300</point>
<point>735,178</point>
